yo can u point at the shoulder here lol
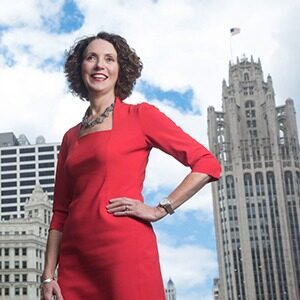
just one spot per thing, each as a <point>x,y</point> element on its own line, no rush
<point>71,134</point>
<point>142,109</point>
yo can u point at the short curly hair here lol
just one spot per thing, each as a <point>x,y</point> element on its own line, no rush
<point>130,65</point>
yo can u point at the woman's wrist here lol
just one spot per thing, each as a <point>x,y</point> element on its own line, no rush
<point>160,212</point>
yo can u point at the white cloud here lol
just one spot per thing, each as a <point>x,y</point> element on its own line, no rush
<point>189,266</point>
<point>28,12</point>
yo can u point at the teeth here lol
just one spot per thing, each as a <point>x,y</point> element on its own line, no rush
<point>99,76</point>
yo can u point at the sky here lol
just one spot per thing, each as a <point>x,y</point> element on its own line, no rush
<point>185,47</point>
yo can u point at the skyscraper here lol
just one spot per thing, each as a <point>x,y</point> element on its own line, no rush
<point>22,166</point>
<point>257,200</point>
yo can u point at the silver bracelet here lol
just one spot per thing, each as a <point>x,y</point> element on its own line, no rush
<point>47,280</point>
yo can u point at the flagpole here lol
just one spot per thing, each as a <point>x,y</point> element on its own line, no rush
<point>233,31</point>
<point>230,42</point>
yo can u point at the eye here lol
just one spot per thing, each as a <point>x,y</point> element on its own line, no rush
<point>90,57</point>
<point>110,59</point>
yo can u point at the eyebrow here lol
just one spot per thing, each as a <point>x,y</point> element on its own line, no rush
<point>94,53</point>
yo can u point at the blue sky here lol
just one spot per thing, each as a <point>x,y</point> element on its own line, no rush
<point>185,49</point>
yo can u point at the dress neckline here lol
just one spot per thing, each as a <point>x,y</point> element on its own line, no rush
<point>79,137</point>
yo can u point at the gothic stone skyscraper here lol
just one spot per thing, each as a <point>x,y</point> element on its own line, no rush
<point>256,202</point>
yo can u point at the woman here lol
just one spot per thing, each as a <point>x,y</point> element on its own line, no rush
<point>100,235</point>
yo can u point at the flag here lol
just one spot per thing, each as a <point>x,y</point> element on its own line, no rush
<point>235,30</point>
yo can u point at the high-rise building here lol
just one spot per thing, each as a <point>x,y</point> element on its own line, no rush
<point>257,200</point>
<point>170,290</point>
<point>22,249</point>
<point>22,166</point>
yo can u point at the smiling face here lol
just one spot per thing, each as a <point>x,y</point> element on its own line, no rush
<point>100,68</point>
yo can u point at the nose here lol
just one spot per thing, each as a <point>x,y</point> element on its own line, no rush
<point>100,63</point>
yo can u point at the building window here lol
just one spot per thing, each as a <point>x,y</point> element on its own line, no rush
<point>6,251</point>
<point>8,208</point>
<point>9,168</point>
<point>26,191</point>
<point>9,176</point>
<point>46,165</point>
<point>24,290</point>
<point>6,291</point>
<point>289,186</point>
<point>248,185</point>
<point>24,264</point>
<point>17,264</point>
<point>46,156</point>
<point>24,277</point>
<point>46,173</point>
<point>27,182</point>
<point>27,174</point>
<point>230,187</point>
<point>17,251</point>
<point>8,160</point>
<point>6,265</point>
<point>246,77</point>
<point>47,181</point>
<point>24,251</point>
<point>6,277</point>
<point>259,181</point>
<point>271,183</point>
<point>46,149</point>
<point>17,277</point>
<point>26,167</point>
<point>8,152</point>
<point>9,184</point>
<point>27,158</point>
<point>8,192</point>
<point>17,291</point>
<point>27,150</point>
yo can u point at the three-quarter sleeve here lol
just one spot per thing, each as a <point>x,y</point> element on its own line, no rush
<point>161,132</point>
<point>62,193</point>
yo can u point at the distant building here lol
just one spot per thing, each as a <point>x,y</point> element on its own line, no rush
<point>170,290</point>
<point>257,200</point>
<point>216,289</point>
<point>22,166</point>
<point>22,249</point>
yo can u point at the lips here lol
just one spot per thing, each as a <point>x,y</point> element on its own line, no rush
<point>99,76</point>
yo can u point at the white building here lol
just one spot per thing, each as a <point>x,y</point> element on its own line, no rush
<point>22,249</point>
<point>22,167</point>
<point>170,290</point>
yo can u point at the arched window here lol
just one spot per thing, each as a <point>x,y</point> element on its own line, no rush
<point>230,187</point>
<point>289,186</point>
<point>249,104</point>
<point>298,182</point>
<point>259,182</point>
<point>271,183</point>
<point>246,77</point>
<point>248,185</point>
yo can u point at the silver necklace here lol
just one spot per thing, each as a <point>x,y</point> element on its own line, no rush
<point>86,123</point>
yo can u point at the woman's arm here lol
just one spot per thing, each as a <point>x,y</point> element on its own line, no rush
<point>190,185</point>
<point>51,258</point>
<point>52,251</point>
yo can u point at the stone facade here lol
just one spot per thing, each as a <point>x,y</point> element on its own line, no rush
<point>257,200</point>
<point>22,249</point>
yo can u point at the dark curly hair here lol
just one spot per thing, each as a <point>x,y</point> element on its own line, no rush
<point>130,65</point>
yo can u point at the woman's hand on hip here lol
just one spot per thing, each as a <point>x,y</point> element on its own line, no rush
<point>124,206</point>
<point>48,290</point>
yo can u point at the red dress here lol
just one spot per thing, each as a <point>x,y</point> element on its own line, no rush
<point>103,257</point>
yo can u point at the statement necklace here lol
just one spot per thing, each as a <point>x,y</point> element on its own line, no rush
<point>86,123</point>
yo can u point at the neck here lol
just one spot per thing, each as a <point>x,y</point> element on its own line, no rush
<point>99,103</point>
